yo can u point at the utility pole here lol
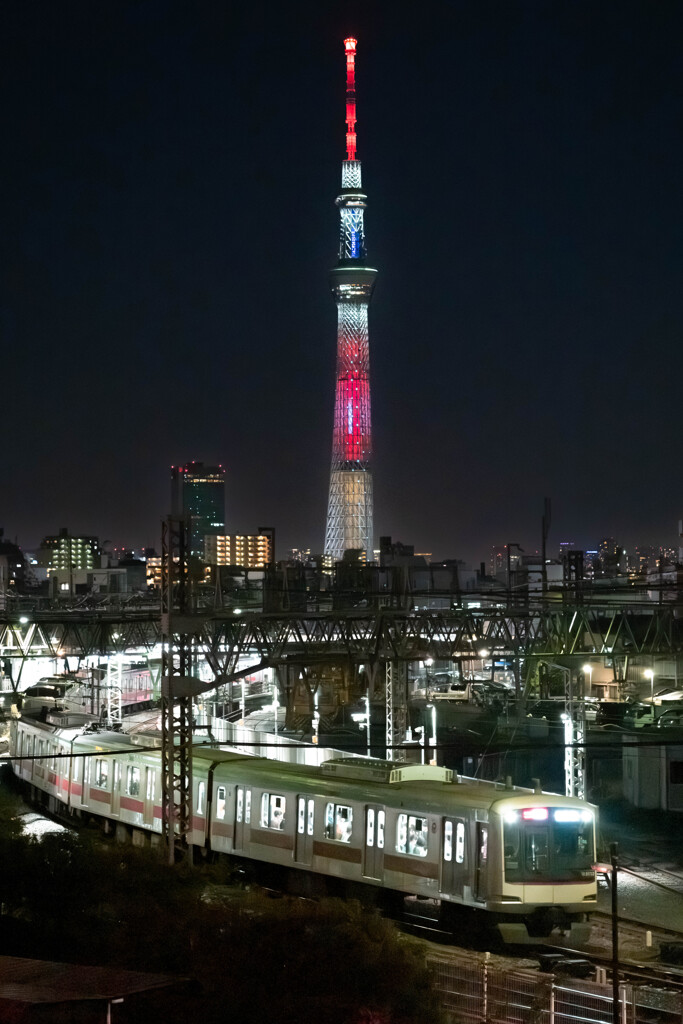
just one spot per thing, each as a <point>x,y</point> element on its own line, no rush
<point>545,529</point>
<point>615,933</point>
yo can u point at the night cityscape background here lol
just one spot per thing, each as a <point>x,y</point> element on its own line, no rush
<point>169,226</point>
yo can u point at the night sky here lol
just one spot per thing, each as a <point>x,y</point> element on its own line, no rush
<point>168,179</point>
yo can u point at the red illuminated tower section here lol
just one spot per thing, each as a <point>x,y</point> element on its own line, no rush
<point>349,510</point>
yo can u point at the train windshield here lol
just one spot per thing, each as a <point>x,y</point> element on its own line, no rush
<point>559,848</point>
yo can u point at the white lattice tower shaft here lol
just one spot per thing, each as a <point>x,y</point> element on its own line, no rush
<point>350,505</point>
<point>396,710</point>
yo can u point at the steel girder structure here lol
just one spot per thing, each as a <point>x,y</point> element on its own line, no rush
<point>350,504</point>
<point>58,634</point>
<point>367,636</point>
<point>360,635</point>
<point>177,687</point>
<point>396,706</point>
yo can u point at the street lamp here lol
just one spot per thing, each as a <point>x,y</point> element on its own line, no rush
<point>589,670</point>
<point>420,729</point>
<point>649,674</point>
<point>432,738</point>
<point>316,717</point>
<point>363,720</point>
<point>276,704</point>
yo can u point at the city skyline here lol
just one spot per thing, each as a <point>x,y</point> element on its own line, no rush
<point>165,298</point>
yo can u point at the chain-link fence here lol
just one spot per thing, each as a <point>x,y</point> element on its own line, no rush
<point>478,988</point>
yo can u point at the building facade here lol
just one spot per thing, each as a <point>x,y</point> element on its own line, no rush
<point>198,492</point>
<point>62,551</point>
<point>251,551</point>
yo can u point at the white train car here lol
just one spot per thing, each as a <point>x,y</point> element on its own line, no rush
<point>519,858</point>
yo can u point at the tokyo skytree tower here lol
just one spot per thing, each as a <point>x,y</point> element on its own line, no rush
<point>349,510</point>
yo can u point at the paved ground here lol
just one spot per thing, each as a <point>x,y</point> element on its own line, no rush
<point>650,884</point>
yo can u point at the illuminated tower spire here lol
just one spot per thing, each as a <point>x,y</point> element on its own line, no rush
<point>349,510</point>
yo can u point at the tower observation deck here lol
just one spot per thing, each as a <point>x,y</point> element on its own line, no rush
<point>349,510</point>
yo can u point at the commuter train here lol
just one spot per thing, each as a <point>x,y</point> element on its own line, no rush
<point>517,858</point>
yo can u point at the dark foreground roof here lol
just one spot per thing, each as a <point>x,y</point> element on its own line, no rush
<point>38,984</point>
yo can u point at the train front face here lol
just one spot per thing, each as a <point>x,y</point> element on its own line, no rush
<point>543,862</point>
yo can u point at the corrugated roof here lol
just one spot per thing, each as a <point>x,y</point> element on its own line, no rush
<point>47,981</point>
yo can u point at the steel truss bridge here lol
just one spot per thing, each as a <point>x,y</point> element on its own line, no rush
<point>355,636</point>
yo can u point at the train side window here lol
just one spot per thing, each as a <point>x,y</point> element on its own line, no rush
<point>370,827</point>
<point>301,815</point>
<point>460,842</point>
<point>311,817</point>
<point>247,808</point>
<point>220,803</point>
<point>101,773</point>
<point>201,793</point>
<point>412,834</point>
<point>272,811</point>
<point>448,841</point>
<point>133,781</point>
<point>338,822</point>
<point>380,830</point>
<point>151,779</point>
<point>240,804</point>
<point>117,777</point>
<point>77,769</point>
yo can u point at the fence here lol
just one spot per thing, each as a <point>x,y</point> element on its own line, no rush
<point>478,988</point>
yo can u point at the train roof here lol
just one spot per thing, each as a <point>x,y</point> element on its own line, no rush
<point>418,786</point>
<point>423,787</point>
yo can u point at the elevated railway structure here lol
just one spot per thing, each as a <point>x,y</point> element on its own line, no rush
<point>234,645</point>
<point>225,637</point>
<point>368,648</point>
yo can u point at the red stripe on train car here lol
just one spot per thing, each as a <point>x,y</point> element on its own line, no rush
<point>129,804</point>
<point>266,837</point>
<point>101,795</point>
<point>337,851</point>
<point>410,866</point>
<point>225,831</point>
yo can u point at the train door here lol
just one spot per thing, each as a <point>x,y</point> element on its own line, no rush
<point>454,866</point>
<point>116,790</point>
<point>373,851</point>
<point>242,815</point>
<point>85,785</point>
<point>482,854</point>
<point>305,820</point>
<point>148,802</point>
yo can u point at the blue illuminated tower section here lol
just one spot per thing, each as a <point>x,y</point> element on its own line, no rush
<point>349,510</point>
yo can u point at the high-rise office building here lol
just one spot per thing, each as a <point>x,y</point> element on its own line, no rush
<point>350,510</point>
<point>198,492</point>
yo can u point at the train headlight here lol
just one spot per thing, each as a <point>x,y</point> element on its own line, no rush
<point>511,817</point>
<point>567,814</point>
<point>586,816</point>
